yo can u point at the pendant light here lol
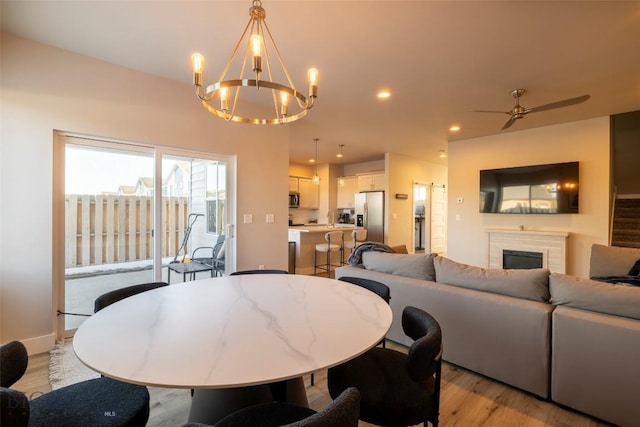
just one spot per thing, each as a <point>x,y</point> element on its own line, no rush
<point>339,156</point>
<point>316,178</point>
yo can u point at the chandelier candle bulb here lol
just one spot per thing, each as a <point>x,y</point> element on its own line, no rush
<point>284,100</point>
<point>256,47</point>
<point>313,82</point>
<point>197,60</point>
<point>224,105</point>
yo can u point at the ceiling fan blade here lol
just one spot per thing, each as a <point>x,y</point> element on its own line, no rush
<point>558,104</point>
<point>492,111</point>
<point>509,122</point>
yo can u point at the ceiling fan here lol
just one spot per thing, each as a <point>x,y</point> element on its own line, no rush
<point>518,112</point>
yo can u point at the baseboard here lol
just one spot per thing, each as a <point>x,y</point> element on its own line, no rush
<point>42,344</point>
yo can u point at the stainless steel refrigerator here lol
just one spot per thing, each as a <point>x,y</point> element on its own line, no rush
<point>369,210</point>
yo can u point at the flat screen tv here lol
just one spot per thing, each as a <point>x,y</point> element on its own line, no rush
<point>539,189</point>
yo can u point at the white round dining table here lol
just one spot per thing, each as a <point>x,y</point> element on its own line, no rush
<point>232,332</point>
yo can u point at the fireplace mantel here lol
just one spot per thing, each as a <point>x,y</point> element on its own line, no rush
<point>552,245</point>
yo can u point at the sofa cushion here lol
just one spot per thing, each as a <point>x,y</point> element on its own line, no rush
<point>530,284</point>
<point>587,294</point>
<point>612,260</point>
<point>418,266</point>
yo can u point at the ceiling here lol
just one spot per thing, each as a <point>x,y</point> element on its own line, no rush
<point>440,59</point>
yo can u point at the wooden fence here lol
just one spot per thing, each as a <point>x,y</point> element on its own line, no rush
<point>116,229</point>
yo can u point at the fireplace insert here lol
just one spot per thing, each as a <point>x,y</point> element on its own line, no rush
<point>521,259</point>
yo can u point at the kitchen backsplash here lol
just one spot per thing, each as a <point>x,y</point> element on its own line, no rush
<point>303,216</point>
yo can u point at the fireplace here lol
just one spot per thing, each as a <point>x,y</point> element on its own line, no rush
<point>551,247</point>
<point>521,259</point>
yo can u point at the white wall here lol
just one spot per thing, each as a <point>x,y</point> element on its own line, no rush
<point>584,141</point>
<point>402,173</point>
<point>46,89</point>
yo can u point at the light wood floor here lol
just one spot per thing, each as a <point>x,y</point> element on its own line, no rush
<point>468,400</point>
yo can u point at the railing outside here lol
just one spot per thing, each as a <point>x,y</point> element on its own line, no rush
<point>109,229</point>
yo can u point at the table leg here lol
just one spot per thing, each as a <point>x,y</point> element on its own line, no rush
<point>291,391</point>
<point>208,406</point>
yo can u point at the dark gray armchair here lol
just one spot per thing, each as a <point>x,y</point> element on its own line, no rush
<point>97,402</point>
<point>397,389</point>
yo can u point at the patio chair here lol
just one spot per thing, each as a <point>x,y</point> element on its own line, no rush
<point>213,256</point>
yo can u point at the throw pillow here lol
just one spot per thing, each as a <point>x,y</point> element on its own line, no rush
<point>586,294</point>
<point>635,270</point>
<point>400,249</point>
<point>528,284</point>
<point>419,266</point>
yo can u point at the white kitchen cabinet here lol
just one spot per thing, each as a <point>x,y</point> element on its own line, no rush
<point>346,193</point>
<point>372,182</point>
<point>293,184</point>
<point>309,194</point>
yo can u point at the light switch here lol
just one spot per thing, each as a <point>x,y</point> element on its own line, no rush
<point>269,218</point>
<point>457,217</point>
<point>394,216</point>
<point>248,218</point>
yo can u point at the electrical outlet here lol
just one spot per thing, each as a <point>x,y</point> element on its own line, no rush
<point>261,267</point>
<point>248,218</point>
<point>270,218</point>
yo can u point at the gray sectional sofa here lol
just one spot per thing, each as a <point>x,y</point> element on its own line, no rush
<point>574,341</point>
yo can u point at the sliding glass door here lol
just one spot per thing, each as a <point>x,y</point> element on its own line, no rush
<point>194,198</point>
<point>129,211</point>
<point>108,222</point>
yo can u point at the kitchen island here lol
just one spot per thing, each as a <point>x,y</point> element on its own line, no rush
<point>308,236</point>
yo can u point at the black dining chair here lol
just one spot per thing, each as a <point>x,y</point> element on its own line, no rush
<point>397,389</point>
<point>98,402</point>
<point>342,412</point>
<point>376,287</point>
<point>272,271</point>
<point>116,295</point>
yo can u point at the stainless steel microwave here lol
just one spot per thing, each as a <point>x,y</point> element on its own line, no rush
<point>294,199</point>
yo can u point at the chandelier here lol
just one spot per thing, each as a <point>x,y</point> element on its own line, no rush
<point>221,98</point>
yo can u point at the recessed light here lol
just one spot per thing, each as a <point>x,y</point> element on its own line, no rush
<point>442,154</point>
<point>312,160</point>
<point>454,128</point>
<point>384,94</point>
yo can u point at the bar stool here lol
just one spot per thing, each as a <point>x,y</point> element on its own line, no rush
<point>335,243</point>
<point>358,235</point>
